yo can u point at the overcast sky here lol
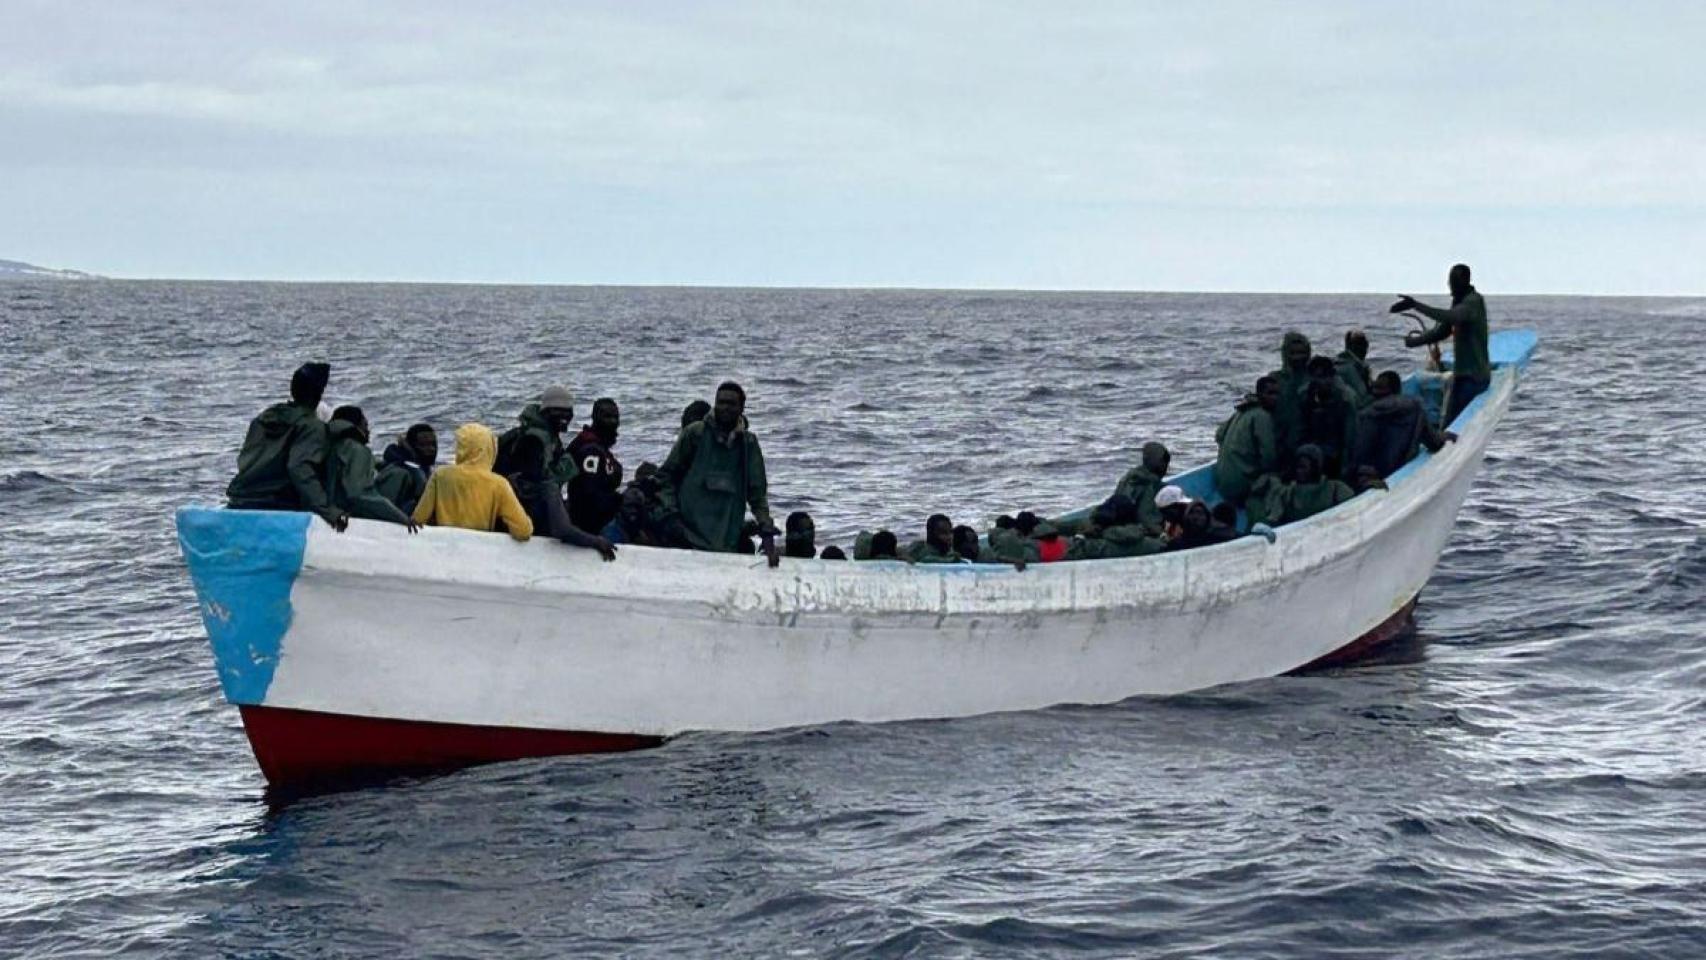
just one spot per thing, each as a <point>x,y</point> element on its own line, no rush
<point>1151,146</point>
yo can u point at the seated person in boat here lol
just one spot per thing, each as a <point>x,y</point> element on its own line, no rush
<point>1010,539</point>
<point>967,543</point>
<point>832,552</point>
<point>1393,428</point>
<point>1329,415</point>
<point>542,497</point>
<point>406,464</point>
<point>799,536</point>
<point>1142,482</point>
<point>1293,379</point>
<point>595,493</point>
<point>349,471</point>
<point>938,543</point>
<point>1198,529</point>
<point>639,517</point>
<point>1171,501</point>
<point>1465,322</point>
<point>1352,364</point>
<point>545,420</point>
<point>713,475</point>
<point>1114,532</point>
<point>467,494</point>
<point>283,459</point>
<point>1249,447</point>
<point>1309,492</point>
<point>882,545</point>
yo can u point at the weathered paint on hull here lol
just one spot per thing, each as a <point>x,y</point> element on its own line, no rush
<point>436,635</point>
<point>301,749</point>
<point>307,750</point>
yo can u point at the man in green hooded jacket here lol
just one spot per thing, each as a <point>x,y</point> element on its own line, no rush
<point>1293,380</point>
<point>350,477</point>
<point>546,420</point>
<point>1352,366</point>
<point>1249,448</point>
<point>284,454</point>
<point>1142,482</point>
<point>713,475</point>
<point>1309,493</point>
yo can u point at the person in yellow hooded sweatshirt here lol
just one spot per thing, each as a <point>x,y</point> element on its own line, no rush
<point>468,494</point>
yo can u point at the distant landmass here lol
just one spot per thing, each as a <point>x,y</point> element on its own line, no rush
<point>19,270</point>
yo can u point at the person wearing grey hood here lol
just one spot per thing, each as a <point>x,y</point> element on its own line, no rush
<point>283,459</point>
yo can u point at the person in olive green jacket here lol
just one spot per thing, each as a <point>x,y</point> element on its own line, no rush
<point>1249,448</point>
<point>713,475</point>
<point>1117,533</point>
<point>284,454</point>
<point>1352,365</point>
<point>1293,380</point>
<point>547,419</point>
<point>1329,415</point>
<point>1143,481</point>
<point>1465,322</point>
<point>406,465</point>
<point>938,543</point>
<point>349,471</point>
<point>1309,493</point>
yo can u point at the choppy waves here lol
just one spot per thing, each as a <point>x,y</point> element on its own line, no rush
<point>1526,779</point>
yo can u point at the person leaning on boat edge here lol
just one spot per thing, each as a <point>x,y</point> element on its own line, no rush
<point>349,471</point>
<point>406,464</point>
<point>468,495</point>
<point>284,454</point>
<point>542,497</point>
<point>1465,322</point>
<point>713,475</point>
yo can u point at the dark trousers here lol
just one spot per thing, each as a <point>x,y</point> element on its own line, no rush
<point>1463,390</point>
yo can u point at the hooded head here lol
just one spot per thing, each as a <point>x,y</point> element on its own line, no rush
<point>1156,459</point>
<point>884,546</point>
<point>355,421</point>
<point>1294,352</point>
<point>1124,509</point>
<point>939,532</point>
<point>1321,368</point>
<point>800,535</point>
<point>606,421</point>
<point>1025,523</point>
<point>475,446</point>
<point>308,383</point>
<point>833,552</point>
<point>557,406</point>
<point>695,412</point>
<point>1309,460</point>
<point>1386,385</point>
<point>1356,344</point>
<point>966,542</point>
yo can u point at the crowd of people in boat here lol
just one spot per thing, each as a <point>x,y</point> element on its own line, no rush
<point>1312,434</point>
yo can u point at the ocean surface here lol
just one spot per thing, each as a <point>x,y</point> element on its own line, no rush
<point>1525,779</point>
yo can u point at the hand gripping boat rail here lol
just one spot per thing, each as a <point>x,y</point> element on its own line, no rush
<point>373,650</point>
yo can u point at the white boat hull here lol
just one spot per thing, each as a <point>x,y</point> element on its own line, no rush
<point>456,629</point>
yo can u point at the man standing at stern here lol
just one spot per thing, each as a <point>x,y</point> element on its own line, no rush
<point>713,475</point>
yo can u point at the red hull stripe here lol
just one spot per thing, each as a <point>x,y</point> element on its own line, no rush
<point>302,748</point>
<point>305,748</point>
<point>1368,644</point>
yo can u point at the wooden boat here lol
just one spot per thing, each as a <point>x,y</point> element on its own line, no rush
<point>373,650</point>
